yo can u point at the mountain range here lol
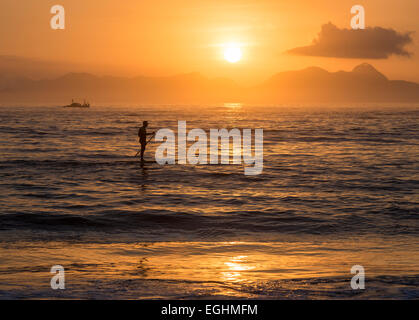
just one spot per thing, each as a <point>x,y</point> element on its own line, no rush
<point>363,84</point>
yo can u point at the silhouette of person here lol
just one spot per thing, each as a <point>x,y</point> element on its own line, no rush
<point>142,135</point>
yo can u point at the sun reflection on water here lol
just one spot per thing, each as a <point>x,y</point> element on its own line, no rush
<point>233,105</point>
<point>235,268</point>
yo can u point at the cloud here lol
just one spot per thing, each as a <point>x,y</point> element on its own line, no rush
<point>370,43</point>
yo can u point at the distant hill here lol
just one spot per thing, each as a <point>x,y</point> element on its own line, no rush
<point>363,84</point>
<point>184,88</point>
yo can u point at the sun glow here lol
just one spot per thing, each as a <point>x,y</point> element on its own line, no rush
<point>232,53</point>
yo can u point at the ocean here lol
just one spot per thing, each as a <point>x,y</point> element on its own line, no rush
<point>339,188</point>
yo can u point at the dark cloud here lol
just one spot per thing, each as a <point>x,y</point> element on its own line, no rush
<point>370,43</point>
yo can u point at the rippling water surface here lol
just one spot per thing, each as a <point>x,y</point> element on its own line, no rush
<point>339,188</point>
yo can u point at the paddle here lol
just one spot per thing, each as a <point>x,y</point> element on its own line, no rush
<point>145,143</point>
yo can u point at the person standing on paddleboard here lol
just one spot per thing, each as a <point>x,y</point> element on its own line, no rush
<point>142,135</point>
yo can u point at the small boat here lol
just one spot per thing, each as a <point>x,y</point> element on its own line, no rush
<point>78,105</point>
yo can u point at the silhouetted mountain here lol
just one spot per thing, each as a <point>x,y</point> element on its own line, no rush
<point>363,84</point>
<point>185,88</point>
<point>367,70</point>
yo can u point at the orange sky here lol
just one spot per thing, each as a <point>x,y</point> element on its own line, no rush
<point>164,37</point>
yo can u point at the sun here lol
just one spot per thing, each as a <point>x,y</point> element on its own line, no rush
<point>232,53</point>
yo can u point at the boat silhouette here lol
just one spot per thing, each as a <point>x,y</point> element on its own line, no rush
<point>78,105</point>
